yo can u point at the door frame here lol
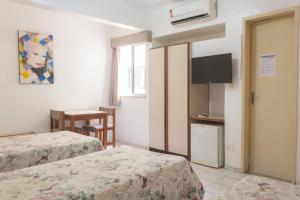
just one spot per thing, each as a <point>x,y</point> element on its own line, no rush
<point>246,73</point>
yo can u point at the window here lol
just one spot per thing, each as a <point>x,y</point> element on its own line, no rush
<point>132,70</point>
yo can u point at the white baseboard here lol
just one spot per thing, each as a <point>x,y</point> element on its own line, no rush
<point>132,144</point>
<point>234,169</point>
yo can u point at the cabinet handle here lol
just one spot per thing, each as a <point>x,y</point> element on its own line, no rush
<point>252,97</point>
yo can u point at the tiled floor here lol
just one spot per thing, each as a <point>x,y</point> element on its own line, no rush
<point>216,180</point>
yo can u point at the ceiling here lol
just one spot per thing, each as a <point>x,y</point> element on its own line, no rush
<point>152,4</point>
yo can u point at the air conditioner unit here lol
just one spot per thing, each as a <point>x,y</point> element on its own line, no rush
<point>202,9</point>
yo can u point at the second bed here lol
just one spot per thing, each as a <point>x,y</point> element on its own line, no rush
<point>21,151</point>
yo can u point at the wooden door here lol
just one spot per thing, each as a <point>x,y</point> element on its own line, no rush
<point>178,99</point>
<point>273,87</point>
<point>157,98</point>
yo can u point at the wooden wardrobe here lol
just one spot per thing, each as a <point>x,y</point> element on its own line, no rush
<point>168,99</point>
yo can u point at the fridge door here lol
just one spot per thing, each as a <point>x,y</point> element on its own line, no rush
<point>205,144</point>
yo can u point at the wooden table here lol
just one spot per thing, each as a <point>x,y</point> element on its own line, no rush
<point>86,115</point>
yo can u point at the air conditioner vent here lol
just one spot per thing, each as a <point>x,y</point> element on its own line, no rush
<point>204,9</point>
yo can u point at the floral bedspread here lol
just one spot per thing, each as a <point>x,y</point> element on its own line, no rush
<point>120,173</point>
<point>260,188</point>
<point>23,151</point>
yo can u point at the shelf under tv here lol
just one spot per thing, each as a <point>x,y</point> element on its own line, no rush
<point>208,118</point>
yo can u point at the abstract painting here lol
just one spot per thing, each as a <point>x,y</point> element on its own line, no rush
<point>36,58</point>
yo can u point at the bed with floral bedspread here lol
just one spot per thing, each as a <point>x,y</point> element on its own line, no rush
<point>114,174</point>
<point>260,188</point>
<point>21,151</point>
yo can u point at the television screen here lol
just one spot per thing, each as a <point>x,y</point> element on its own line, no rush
<point>212,69</point>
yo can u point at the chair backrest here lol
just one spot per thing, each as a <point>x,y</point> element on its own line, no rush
<point>57,120</point>
<point>111,112</point>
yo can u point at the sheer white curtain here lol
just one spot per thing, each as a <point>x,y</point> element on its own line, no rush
<point>115,99</point>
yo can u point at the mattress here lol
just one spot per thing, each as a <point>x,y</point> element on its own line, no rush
<point>120,173</point>
<point>21,151</point>
<point>260,188</point>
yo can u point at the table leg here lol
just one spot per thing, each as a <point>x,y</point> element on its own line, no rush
<point>105,130</point>
<point>104,140</point>
<point>87,122</point>
<point>72,125</point>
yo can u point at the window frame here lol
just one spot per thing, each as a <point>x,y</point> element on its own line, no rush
<point>132,76</point>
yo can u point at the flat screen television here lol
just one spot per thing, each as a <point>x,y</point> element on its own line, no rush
<point>212,69</point>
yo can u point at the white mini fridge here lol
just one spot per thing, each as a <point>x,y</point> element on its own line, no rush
<point>207,145</point>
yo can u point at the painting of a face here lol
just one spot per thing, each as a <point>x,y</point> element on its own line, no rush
<point>36,58</point>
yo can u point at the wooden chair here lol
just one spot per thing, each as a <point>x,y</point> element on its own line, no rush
<point>98,128</point>
<point>57,120</point>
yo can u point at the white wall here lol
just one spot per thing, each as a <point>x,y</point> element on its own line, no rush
<point>217,98</point>
<point>82,60</point>
<point>231,12</point>
<point>132,119</point>
<point>228,10</point>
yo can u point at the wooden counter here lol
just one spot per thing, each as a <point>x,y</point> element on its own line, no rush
<point>209,119</point>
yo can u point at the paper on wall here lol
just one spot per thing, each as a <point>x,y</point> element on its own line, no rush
<point>267,65</point>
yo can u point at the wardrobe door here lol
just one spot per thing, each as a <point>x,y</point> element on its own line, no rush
<point>157,98</point>
<point>178,99</point>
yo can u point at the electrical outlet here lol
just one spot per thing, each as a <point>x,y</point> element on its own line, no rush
<point>230,148</point>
